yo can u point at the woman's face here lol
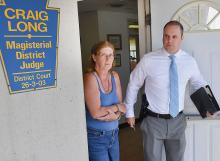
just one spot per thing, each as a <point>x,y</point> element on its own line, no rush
<point>104,58</point>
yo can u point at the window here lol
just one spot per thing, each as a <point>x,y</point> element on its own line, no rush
<point>199,16</point>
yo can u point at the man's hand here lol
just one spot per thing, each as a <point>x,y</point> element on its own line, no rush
<point>131,122</point>
<point>212,115</point>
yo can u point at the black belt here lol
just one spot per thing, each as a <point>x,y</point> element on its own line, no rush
<point>163,116</point>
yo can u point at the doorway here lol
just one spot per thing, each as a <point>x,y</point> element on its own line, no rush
<point>98,20</point>
<point>113,19</point>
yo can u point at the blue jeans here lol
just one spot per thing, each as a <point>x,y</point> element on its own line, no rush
<point>103,145</point>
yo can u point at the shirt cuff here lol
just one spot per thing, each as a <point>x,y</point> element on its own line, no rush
<point>129,112</point>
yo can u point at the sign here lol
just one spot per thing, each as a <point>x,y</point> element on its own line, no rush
<point>28,44</point>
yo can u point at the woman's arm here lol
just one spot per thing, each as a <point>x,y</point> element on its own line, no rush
<point>121,107</point>
<point>92,98</point>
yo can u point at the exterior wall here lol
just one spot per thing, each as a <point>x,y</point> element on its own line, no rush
<point>48,125</point>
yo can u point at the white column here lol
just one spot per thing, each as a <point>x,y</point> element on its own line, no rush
<point>49,124</point>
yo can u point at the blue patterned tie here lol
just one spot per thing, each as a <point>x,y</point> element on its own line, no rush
<point>174,90</point>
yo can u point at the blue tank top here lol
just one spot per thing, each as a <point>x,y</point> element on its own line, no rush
<point>107,99</point>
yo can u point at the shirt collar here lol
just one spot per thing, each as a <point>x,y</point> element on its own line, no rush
<point>177,54</point>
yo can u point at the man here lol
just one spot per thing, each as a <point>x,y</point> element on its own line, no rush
<point>165,73</point>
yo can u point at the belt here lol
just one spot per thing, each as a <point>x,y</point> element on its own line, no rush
<point>163,116</point>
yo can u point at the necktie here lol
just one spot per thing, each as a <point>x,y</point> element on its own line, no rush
<point>174,91</point>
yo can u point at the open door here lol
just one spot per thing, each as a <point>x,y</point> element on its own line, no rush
<point>201,20</point>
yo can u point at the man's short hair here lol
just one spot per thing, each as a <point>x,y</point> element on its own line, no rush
<point>176,23</point>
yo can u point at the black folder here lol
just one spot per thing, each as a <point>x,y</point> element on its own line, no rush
<point>205,101</point>
<point>144,105</point>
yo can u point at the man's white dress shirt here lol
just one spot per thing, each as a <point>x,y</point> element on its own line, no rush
<point>153,69</point>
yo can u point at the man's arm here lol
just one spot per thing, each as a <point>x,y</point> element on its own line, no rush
<point>196,81</point>
<point>136,81</point>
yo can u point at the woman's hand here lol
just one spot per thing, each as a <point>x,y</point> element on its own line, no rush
<point>111,116</point>
<point>121,108</point>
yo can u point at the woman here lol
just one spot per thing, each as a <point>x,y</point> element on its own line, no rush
<point>103,98</point>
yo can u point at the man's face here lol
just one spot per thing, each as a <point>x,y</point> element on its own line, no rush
<point>172,38</point>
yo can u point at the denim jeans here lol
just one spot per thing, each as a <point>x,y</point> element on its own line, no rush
<point>103,145</point>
